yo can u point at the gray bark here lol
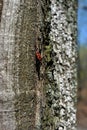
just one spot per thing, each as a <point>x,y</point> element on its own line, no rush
<point>7,33</point>
<point>24,100</point>
<point>63,38</point>
<point>61,98</point>
<point>17,69</point>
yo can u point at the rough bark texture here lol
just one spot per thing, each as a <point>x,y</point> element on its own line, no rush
<point>25,102</point>
<point>60,107</point>
<point>63,38</point>
<point>24,66</point>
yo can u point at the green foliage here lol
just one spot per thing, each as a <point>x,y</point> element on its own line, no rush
<point>83,66</point>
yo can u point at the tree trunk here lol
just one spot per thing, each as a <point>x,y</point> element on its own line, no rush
<point>27,103</point>
<point>63,38</point>
<point>60,107</point>
<point>17,70</point>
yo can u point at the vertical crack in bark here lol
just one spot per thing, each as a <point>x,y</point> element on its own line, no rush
<point>39,82</point>
<point>1,8</point>
<point>38,106</point>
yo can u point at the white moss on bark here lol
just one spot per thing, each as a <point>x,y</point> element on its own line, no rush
<point>63,39</point>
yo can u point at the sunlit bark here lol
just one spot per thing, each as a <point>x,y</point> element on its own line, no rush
<point>25,102</point>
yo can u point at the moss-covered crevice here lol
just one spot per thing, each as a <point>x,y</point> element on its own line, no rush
<point>49,84</point>
<point>60,19</point>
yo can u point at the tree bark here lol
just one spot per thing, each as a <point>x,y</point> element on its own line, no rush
<point>17,65</point>
<point>25,102</point>
<point>63,38</point>
<point>61,98</point>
